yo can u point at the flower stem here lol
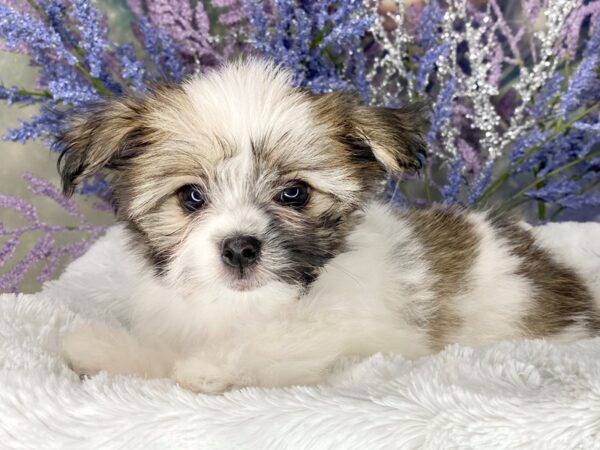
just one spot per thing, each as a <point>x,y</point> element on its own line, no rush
<point>541,206</point>
<point>321,36</point>
<point>556,213</point>
<point>45,94</point>
<point>541,210</point>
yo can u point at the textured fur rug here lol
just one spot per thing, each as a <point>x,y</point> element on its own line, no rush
<point>528,394</point>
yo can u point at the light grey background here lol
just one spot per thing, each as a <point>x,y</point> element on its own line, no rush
<point>35,157</point>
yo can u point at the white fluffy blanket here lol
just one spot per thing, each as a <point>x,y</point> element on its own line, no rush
<point>527,394</point>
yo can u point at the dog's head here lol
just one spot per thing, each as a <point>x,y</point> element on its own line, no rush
<point>236,180</point>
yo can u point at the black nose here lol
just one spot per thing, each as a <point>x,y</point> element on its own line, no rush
<point>240,251</point>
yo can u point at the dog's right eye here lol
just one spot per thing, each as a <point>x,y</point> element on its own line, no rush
<point>191,197</point>
<point>295,196</point>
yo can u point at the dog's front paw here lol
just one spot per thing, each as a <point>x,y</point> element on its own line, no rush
<point>198,375</point>
<point>92,349</point>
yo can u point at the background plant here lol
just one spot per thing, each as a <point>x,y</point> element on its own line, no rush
<point>513,87</point>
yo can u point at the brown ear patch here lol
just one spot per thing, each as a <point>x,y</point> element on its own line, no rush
<point>108,134</point>
<point>96,138</point>
<point>393,138</point>
<point>394,135</point>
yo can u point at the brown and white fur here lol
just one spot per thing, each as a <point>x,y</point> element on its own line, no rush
<point>342,275</point>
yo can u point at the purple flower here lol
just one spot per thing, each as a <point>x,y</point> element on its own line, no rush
<point>574,25</point>
<point>11,280</point>
<point>258,19</point>
<point>431,18</point>
<point>496,62</point>
<point>573,146</point>
<point>234,11</point>
<point>132,70</point>
<point>92,34</point>
<point>39,186</point>
<point>555,190</point>
<point>354,25</point>
<point>15,95</point>
<point>550,90</point>
<point>97,186</point>
<point>469,155</point>
<point>161,51</point>
<point>312,39</point>
<point>67,84</point>
<point>137,7</point>
<point>580,201</point>
<point>8,249</point>
<point>524,143</point>
<point>583,86</point>
<point>18,28</point>
<point>587,126</point>
<point>188,26</point>
<point>184,26</point>
<point>46,124</point>
<point>46,249</point>
<point>593,44</point>
<point>16,204</point>
<point>455,180</point>
<point>428,62</point>
<point>55,11</point>
<point>442,110</point>
<point>481,184</point>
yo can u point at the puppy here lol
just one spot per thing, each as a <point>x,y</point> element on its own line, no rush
<point>267,257</point>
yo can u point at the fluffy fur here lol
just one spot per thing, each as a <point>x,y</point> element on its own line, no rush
<point>341,276</point>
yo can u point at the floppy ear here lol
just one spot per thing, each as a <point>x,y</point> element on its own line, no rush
<point>395,136</point>
<point>98,138</point>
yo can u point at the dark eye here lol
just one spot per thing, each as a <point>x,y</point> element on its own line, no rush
<point>295,196</point>
<point>191,197</point>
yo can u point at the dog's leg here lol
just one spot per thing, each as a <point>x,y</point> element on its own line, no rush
<point>94,348</point>
<point>277,354</point>
<point>298,351</point>
<point>204,373</point>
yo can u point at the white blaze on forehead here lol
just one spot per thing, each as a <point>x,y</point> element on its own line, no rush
<point>250,101</point>
<point>244,219</point>
<point>233,202</point>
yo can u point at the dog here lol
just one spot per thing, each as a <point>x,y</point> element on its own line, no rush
<point>267,256</point>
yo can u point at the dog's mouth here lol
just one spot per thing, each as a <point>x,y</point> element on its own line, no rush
<point>245,285</point>
<point>245,280</point>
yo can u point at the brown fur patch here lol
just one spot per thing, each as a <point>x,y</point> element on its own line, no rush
<point>451,247</point>
<point>561,298</point>
<point>374,140</point>
<point>107,136</point>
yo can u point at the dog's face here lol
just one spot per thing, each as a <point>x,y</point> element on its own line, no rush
<point>237,181</point>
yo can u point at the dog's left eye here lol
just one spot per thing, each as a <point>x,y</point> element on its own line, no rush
<point>294,196</point>
<point>191,197</point>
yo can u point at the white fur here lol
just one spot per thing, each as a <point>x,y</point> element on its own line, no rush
<point>494,299</point>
